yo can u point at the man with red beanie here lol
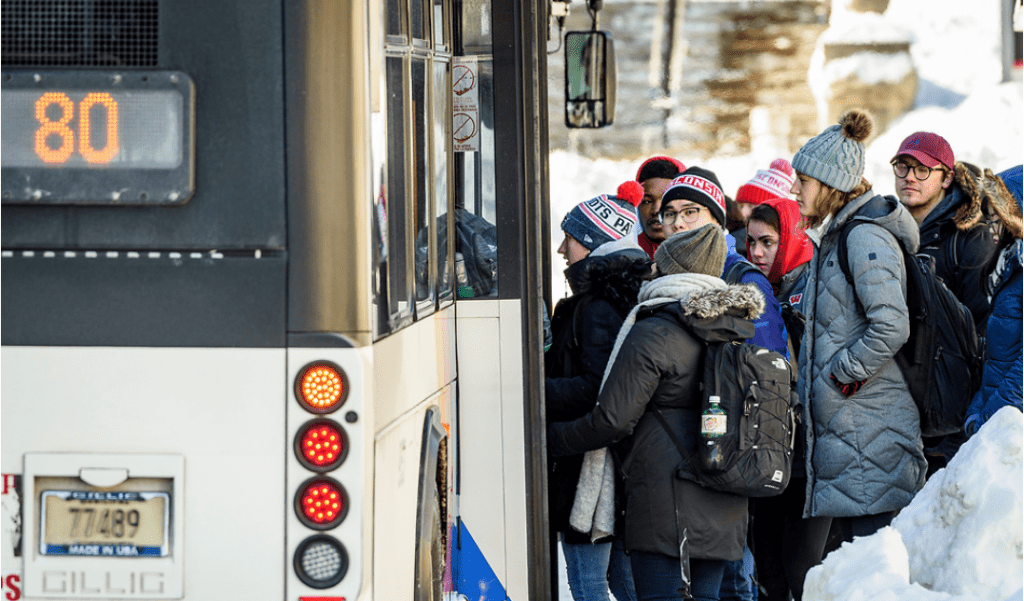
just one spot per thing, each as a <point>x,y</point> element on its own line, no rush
<point>655,174</point>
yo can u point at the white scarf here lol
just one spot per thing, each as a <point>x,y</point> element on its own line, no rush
<point>593,511</point>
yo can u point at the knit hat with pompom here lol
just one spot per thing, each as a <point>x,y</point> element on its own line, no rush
<point>776,182</point>
<point>835,157</point>
<point>605,218</point>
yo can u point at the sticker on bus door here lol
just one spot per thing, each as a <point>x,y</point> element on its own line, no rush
<point>10,533</point>
<point>465,104</point>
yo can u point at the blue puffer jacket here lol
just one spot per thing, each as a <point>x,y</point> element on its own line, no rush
<point>1003,373</point>
<point>769,331</point>
<point>1001,379</point>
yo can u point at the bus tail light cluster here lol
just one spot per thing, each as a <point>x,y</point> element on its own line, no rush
<point>321,502</point>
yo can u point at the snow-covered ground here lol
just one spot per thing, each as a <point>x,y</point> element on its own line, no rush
<point>961,538</point>
<point>958,540</point>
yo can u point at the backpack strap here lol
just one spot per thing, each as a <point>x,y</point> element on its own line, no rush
<point>841,247</point>
<point>690,461</point>
<point>734,274</point>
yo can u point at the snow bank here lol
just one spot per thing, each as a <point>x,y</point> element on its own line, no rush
<point>960,539</point>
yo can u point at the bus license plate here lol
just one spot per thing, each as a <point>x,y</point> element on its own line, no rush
<point>104,524</point>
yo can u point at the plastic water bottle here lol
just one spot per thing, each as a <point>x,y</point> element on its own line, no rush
<point>713,425</point>
<point>462,287</point>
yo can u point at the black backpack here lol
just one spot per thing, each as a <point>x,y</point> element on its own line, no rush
<point>942,359</point>
<point>757,388</point>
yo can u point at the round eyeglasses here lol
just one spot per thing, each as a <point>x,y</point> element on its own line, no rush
<point>688,215</point>
<point>921,172</point>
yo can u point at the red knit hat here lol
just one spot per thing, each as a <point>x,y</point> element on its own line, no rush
<point>776,182</point>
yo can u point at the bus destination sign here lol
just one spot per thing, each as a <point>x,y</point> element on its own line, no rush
<point>97,137</point>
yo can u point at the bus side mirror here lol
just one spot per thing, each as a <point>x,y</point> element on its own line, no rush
<point>589,79</point>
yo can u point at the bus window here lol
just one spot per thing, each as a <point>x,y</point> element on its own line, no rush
<point>442,35</point>
<point>399,294</point>
<point>422,216</point>
<point>419,15</point>
<point>442,146</point>
<point>396,15</point>
<point>476,214</point>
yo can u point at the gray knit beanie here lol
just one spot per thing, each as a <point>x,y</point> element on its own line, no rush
<point>701,250</point>
<point>835,157</point>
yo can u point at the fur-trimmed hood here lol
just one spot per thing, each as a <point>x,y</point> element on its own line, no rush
<point>739,300</point>
<point>705,305</point>
<point>973,190</point>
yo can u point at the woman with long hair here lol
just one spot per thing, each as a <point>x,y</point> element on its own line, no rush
<point>786,545</point>
<point>864,455</point>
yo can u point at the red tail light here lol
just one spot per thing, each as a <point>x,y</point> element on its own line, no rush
<point>321,503</point>
<point>321,445</point>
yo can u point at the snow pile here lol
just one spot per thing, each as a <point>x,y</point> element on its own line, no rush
<point>960,539</point>
<point>849,27</point>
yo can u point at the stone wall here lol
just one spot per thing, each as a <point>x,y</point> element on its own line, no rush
<point>693,93</point>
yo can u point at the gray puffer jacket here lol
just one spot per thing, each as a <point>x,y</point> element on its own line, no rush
<point>865,454</point>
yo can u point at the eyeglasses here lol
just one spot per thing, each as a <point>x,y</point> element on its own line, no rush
<point>921,172</point>
<point>688,215</point>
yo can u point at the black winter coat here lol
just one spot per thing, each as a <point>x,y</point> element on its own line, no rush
<point>584,327</point>
<point>659,363</point>
<point>960,256</point>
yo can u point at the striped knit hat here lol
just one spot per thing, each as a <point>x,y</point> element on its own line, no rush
<point>605,218</point>
<point>700,186</point>
<point>835,157</point>
<point>776,182</point>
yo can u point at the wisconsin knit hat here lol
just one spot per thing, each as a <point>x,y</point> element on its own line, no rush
<point>775,182</point>
<point>605,218</point>
<point>835,157</point>
<point>700,186</point>
<point>701,250</point>
<point>931,149</point>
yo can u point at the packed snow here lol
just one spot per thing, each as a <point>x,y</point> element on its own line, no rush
<point>961,537</point>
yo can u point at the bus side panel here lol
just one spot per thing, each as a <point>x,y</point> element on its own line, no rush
<point>413,364</point>
<point>491,443</point>
<point>219,407</point>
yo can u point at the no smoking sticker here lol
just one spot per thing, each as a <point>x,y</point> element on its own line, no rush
<point>465,105</point>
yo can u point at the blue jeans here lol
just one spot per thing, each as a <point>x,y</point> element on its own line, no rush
<point>620,573</point>
<point>736,585</point>
<point>592,569</point>
<point>657,577</point>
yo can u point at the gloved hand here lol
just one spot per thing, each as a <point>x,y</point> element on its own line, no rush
<point>847,389</point>
<point>972,424</point>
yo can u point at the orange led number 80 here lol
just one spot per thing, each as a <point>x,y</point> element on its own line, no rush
<point>67,136</point>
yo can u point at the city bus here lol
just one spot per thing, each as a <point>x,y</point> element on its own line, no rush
<point>272,294</point>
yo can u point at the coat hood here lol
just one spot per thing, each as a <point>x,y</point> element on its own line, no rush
<point>884,211</point>
<point>718,314</point>
<point>963,205</point>
<point>795,248</point>
<point>615,277</point>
